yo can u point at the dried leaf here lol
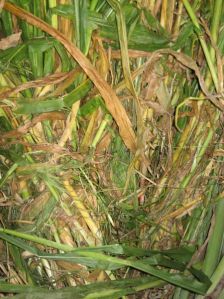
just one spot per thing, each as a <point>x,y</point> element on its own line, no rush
<point>70,123</point>
<point>51,79</point>
<point>24,129</point>
<point>10,41</point>
<point>103,64</point>
<point>157,107</point>
<point>188,62</point>
<point>163,96</point>
<point>46,147</point>
<point>116,54</point>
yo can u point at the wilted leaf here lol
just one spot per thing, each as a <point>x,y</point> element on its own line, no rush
<point>10,41</point>
<point>163,96</point>
<point>23,129</point>
<point>51,79</point>
<point>156,106</point>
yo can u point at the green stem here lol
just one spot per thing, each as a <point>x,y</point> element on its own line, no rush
<point>215,25</point>
<point>215,243</point>
<point>36,239</point>
<point>107,119</point>
<point>216,19</point>
<point>217,276</point>
<point>208,57</point>
<point>54,17</point>
<point>93,5</point>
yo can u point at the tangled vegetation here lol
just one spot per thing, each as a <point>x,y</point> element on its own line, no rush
<point>111,149</point>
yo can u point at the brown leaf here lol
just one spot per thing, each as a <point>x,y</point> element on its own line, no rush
<point>10,41</point>
<point>51,79</point>
<point>33,208</point>
<point>116,54</point>
<point>163,96</point>
<point>72,267</point>
<point>103,64</point>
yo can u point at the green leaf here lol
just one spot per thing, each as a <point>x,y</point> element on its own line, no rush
<point>141,38</point>
<point>65,60</point>
<point>100,260</point>
<point>6,19</point>
<point>34,106</point>
<point>13,288</point>
<point>109,289</point>
<point>78,93</point>
<point>17,53</point>
<point>8,174</point>
<point>40,44</point>
<point>36,49</point>
<point>154,24</point>
<point>91,105</point>
<point>64,10</point>
<point>185,34</point>
<point>20,264</point>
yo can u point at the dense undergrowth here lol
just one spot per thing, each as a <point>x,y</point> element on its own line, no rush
<point>111,149</point>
